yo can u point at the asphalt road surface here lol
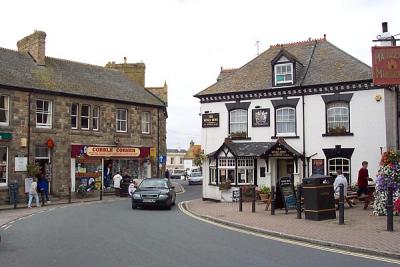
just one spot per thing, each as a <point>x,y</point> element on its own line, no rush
<point>112,234</point>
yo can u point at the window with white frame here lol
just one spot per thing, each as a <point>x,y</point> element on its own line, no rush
<point>245,171</point>
<point>283,73</point>
<point>4,110</point>
<point>96,118</point>
<point>286,121</point>
<point>122,120</point>
<point>213,175</point>
<point>3,165</point>
<point>338,117</point>
<point>85,117</point>
<point>146,122</point>
<point>43,113</point>
<point>339,163</point>
<point>74,116</point>
<point>226,170</point>
<point>238,122</point>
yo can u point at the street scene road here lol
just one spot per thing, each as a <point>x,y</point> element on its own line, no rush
<point>112,234</point>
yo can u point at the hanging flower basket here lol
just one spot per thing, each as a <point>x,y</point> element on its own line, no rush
<point>388,176</point>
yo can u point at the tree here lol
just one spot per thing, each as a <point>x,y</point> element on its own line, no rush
<point>199,158</point>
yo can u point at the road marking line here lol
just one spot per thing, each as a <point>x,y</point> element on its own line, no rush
<point>3,226</point>
<point>7,227</point>
<point>292,242</point>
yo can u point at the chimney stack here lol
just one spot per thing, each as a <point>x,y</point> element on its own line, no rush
<point>384,26</point>
<point>35,46</point>
<point>134,71</point>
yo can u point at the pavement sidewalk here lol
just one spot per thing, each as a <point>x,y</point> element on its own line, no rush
<point>362,231</point>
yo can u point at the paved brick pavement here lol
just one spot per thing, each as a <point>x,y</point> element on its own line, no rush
<point>362,230</point>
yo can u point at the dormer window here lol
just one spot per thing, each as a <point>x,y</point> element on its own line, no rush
<point>283,73</point>
<point>284,67</point>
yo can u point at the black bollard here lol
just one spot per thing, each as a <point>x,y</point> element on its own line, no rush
<point>298,202</point>
<point>15,198</point>
<point>101,189</point>
<point>341,204</point>
<point>389,209</point>
<point>240,199</point>
<point>253,201</point>
<point>69,194</point>
<point>272,200</point>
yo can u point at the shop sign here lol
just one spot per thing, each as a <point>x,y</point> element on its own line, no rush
<point>261,117</point>
<point>318,166</point>
<point>5,136</point>
<point>279,152</point>
<point>210,120</point>
<point>104,151</point>
<point>386,65</point>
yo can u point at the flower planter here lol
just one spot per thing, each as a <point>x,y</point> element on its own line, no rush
<point>264,197</point>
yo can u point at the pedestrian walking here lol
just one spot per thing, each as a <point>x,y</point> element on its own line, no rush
<point>167,175</point>
<point>33,194</point>
<point>43,186</point>
<point>117,183</point>
<point>362,182</point>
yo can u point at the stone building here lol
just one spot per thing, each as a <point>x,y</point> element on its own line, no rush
<point>75,119</point>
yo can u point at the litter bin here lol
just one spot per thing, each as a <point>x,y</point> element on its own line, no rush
<point>13,192</point>
<point>319,201</point>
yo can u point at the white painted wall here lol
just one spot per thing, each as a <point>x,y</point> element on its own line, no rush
<point>372,122</point>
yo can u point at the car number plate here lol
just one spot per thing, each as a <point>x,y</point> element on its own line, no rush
<point>149,200</point>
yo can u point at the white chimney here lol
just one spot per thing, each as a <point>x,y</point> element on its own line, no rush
<point>386,39</point>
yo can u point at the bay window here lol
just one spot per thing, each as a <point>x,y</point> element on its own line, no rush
<point>245,171</point>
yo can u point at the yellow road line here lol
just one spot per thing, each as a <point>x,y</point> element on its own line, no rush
<point>288,241</point>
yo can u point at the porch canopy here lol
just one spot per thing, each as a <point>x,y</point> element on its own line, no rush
<point>256,149</point>
<point>264,150</point>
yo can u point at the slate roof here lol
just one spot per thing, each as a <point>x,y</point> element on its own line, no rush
<point>63,76</point>
<point>225,72</point>
<point>183,151</point>
<point>255,149</point>
<point>326,64</point>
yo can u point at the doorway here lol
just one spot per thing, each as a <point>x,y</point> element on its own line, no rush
<point>285,168</point>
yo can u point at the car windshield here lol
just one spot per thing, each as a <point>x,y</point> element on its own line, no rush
<point>153,183</point>
<point>196,174</point>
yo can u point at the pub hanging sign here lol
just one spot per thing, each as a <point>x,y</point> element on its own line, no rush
<point>386,65</point>
<point>210,120</point>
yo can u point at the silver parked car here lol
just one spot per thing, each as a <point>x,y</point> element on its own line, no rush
<point>195,178</point>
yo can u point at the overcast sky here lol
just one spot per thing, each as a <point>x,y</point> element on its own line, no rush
<point>185,42</point>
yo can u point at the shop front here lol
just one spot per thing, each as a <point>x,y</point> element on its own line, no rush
<point>102,162</point>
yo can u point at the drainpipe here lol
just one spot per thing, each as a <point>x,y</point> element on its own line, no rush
<point>29,126</point>
<point>397,117</point>
<point>158,142</point>
<point>305,164</point>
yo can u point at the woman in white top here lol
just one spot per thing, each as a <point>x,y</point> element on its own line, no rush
<point>33,193</point>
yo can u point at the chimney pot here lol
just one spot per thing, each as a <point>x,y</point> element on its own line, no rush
<point>384,26</point>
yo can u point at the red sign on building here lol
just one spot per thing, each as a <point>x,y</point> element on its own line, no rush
<point>386,65</point>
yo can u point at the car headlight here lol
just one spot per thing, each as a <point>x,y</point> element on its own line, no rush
<point>162,196</point>
<point>136,196</point>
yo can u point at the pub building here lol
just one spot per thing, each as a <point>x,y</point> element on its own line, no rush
<point>295,110</point>
<point>75,119</point>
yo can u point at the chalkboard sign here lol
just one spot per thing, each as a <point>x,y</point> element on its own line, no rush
<point>288,193</point>
<point>318,167</point>
<point>235,195</point>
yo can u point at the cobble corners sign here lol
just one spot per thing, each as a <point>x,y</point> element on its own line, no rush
<point>386,65</point>
<point>103,151</point>
<point>210,120</point>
